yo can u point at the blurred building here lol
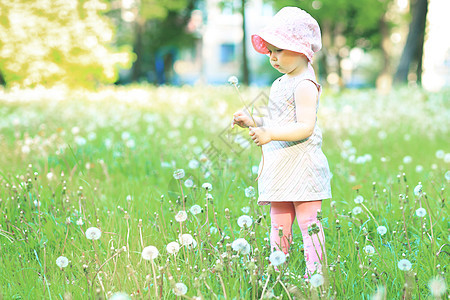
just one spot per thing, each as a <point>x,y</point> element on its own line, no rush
<point>219,44</point>
<point>436,60</point>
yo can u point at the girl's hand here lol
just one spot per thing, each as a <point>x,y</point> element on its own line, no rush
<point>242,119</point>
<point>260,135</point>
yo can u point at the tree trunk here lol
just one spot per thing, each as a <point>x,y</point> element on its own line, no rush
<point>245,72</point>
<point>384,80</point>
<point>414,43</point>
<point>138,50</point>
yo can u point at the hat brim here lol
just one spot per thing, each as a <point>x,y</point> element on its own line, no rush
<point>259,44</point>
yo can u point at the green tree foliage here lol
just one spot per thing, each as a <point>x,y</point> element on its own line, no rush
<point>346,23</point>
<point>59,41</point>
<point>154,27</point>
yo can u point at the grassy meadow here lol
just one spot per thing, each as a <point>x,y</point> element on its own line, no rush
<point>98,177</point>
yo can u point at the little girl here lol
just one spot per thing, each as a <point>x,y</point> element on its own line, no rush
<point>295,175</point>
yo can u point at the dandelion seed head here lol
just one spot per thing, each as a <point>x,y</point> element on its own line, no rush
<point>245,209</point>
<point>277,258</point>
<point>195,209</point>
<point>180,289</point>
<point>250,192</point>
<point>241,245</point>
<point>93,233</point>
<point>447,175</point>
<point>120,296</point>
<point>357,210</point>
<point>150,253</point>
<point>381,230</point>
<point>233,80</point>
<point>207,186</point>
<point>186,239</point>
<point>193,164</point>
<point>437,286</point>
<point>359,199</point>
<point>178,174</point>
<point>407,159</point>
<point>440,154</point>
<point>404,265</point>
<point>421,212</point>
<point>317,280</point>
<point>369,250</point>
<point>244,221</point>
<point>418,189</point>
<point>181,216</point>
<point>62,262</point>
<point>173,247</point>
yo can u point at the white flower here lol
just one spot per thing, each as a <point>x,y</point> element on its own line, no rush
<point>80,222</point>
<point>180,289</point>
<point>421,212</point>
<point>244,221</point>
<point>404,265</point>
<point>250,192</point>
<point>440,154</point>
<point>93,233</point>
<point>213,230</point>
<point>241,245</point>
<point>150,253</point>
<point>233,80</point>
<point>407,159</point>
<point>193,164</point>
<point>245,209</point>
<point>207,186</point>
<point>255,169</point>
<point>437,286</point>
<point>447,157</point>
<point>316,280</point>
<point>189,183</point>
<point>447,175</point>
<point>186,239</point>
<point>62,262</point>
<point>178,174</point>
<point>120,296</point>
<point>277,258</point>
<point>192,245</point>
<point>173,247</point>
<point>369,250</point>
<point>195,209</point>
<point>419,168</point>
<point>418,189</point>
<point>381,230</point>
<point>181,216</point>
<point>359,199</point>
<point>357,210</point>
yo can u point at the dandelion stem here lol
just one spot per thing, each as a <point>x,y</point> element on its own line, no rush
<point>65,241</point>
<point>223,286</point>
<point>43,274</point>
<point>285,289</point>
<point>265,286</point>
<point>368,211</point>
<point>154,278</point>
<point>254,122</point>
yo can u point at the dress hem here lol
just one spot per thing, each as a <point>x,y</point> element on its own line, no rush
<point>311,197</point>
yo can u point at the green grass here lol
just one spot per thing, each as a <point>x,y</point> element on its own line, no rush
<point>108,159</point>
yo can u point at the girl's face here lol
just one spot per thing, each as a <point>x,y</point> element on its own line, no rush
<point>286,61</point>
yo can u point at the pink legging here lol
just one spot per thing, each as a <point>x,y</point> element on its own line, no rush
<point>282,216</point>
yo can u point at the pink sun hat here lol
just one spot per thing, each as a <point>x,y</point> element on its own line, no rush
<point>290,29</point>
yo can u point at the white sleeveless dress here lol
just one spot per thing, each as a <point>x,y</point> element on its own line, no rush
<point>292,171</point>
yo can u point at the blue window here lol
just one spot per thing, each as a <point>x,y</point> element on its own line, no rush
<point>227,53</point>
